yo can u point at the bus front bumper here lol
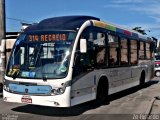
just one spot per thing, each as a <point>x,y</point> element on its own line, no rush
<point>62,100</point>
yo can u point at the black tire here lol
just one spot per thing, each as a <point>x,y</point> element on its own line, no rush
<point>142,78</point>
<point>102,92</point>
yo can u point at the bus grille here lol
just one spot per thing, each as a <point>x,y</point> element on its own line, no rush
<point>25,89</point>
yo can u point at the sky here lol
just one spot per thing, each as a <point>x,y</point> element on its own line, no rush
<point>127,13</point>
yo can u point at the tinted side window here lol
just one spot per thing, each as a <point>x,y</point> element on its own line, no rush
<point>124,51</point>
<point>99,41</point>
<point>134,56</point>
<point>141,51</point>
<point>113,50</point>
<point>148,51</point>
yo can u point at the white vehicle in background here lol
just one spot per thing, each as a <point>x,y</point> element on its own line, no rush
<point>157,66</point>
<point>157,71</point>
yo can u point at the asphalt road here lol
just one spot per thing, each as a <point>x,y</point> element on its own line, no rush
<point>133,103</point>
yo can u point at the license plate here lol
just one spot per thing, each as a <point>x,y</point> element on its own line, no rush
<point>26,100</point>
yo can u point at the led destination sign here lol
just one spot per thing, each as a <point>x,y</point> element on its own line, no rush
<point>47,37</point>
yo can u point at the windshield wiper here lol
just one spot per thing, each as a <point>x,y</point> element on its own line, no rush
<point>14,76</point>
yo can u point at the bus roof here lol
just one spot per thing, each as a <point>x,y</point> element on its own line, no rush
<point>74,22</point>
<point>120,29</point>
<point>61,23</point>
<point>115,28</point>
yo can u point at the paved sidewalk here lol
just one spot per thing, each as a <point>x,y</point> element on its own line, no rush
<point>156,107</point>
<point>139,102</point>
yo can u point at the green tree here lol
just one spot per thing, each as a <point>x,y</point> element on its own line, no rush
<point>140,30</point>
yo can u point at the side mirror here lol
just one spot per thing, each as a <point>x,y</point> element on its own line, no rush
<point>83,45</point>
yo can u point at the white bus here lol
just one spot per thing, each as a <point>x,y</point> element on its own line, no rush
<point>65,61</point>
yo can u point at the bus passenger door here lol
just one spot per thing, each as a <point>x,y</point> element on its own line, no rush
<point>83,79</point>
<point>84,73</point>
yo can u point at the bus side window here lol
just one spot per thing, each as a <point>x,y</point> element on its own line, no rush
<point>113,50</point>
<point>148,50</point>
<point>100,48</point>
<point>134,55</point>
<point>141,51</point>
<point>152,49</point>
<point>124,51</point>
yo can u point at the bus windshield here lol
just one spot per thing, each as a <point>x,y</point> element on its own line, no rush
<point>41,55</point>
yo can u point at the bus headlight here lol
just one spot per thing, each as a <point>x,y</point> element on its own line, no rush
<point>6,88</point>
<point>58,91</point>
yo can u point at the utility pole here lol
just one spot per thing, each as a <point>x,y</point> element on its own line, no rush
<point>2,20</point>
<point>2,41</point>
